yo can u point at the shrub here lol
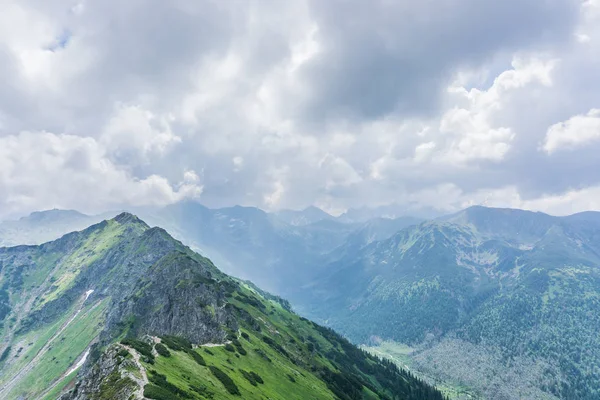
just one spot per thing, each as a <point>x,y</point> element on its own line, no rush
<point>275,346</point>
<point>197,357</point>
<point>239,347</point>
<point>5,354</point>
<point>246,336</point>
<point>257,377</point>
<point>161,381</point>
<point>225,380</point>
<point>152,391</point>
<point>123,353</point>
<point>177,343</point>
<point>230,348</point>
<point>252,377</point>
<point>162,350</point>
<point>203,391</point>
<point>140,346</point>
<point>261,353</point>
<point>291,378</point>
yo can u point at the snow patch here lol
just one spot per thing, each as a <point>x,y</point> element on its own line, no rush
<point>88,293</point>
<point>79,363</point>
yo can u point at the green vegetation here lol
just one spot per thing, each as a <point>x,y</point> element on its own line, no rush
<point>162,350</point>
<point>176,343</point>
<point>252,377</point>
<point>158,393</point>
<point>280,365</point>
<point>114,385</point>
<point>225,380</point>
<point>197,357</point>
<point>142,347</point>
<point>56,355</point>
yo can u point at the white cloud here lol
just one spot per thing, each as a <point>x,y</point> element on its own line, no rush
<point>133,135</point>
<point>289,104</point>
<point>474,135</point>
<point>575,132</point>
<point>424,151</point>
<point>41,170</point>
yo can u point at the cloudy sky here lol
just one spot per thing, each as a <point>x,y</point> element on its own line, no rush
<point>436,104</point>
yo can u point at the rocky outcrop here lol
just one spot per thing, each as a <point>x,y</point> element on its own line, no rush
<point>179,296</point>
<point>115,376</point>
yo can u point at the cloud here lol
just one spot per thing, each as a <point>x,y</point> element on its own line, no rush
<point>575,132</point>
<point>42,170</point>
<point>286,104</point>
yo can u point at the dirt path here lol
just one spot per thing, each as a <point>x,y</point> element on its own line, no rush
<point>144,377</point>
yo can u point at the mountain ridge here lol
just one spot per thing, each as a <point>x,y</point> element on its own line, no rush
<point>103,299</point>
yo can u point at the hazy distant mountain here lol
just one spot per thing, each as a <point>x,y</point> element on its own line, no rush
<point>43,226</point>
<point>392,211</point>
<point>123,311</point>
<point>281,251</point>
<point>303,217</point>
<point>515,290</point>
<point>252,244</point>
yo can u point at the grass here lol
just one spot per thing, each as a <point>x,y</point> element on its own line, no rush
<point>275,355</point>
<point>93,248</point>
<point>64,350</point>
<point>56,391</point>
<point>32,342</point>
<point>183,371</point>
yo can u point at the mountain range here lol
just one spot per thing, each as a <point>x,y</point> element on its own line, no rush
<point>484,303</point>
<point>505,301</point>
<point>124,311</point>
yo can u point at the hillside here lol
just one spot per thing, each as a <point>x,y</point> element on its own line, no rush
<point>501,300</point>
<point>121,310</point>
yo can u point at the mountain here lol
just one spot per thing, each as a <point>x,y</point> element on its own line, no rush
<point>43,226</point>
<point>124,311</point>
<point>512,292</point>
<point>281,255</point>
<point>252,244</point>
<point>390,211</point>
<point>307,216</point>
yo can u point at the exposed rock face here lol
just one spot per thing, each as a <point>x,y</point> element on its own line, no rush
<point>178,296</point>
<point>116,375</point>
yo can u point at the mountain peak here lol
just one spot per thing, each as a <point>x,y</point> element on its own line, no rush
<point>128,218</point>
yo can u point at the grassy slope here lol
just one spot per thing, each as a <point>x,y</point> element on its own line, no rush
<point>49,275</point>
<point>183,371</point>
<point>295,375</point>
<point>62,352</point>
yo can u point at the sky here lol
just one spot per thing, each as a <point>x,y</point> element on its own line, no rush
<point>436,104</point>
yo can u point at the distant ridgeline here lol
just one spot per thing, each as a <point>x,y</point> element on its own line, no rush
<point>124,311</point>
<point>504,301</point>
